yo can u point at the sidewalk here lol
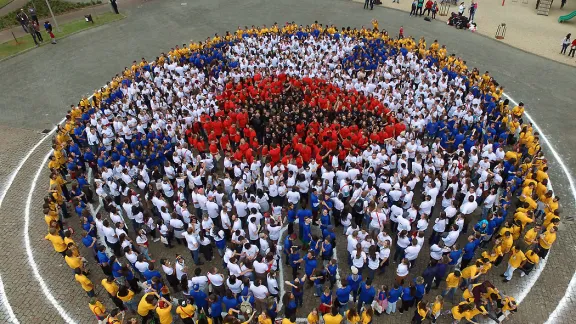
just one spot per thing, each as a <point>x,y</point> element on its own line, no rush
<point>12,6</point>
<point>6,34</point>
<point>541,35</point>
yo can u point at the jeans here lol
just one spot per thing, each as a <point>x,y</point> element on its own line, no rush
<point>564,47</point>
<point>509,272</point>
<point>371,274</point>
<point>195,256</point>
<point>318,289</point>
<point>391,308</point>
<point>144,252</point>
<point>449,292</point>
<point>343,308</point>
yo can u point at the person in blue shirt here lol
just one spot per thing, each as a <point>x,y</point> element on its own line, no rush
<point>116,267</point>
<point>366,295</point>
<point>288,242</point>
<point>318,276</point>
<point>326,250</point>
<point>291,217</point>
<point>306,232</point>
<point>354,281</point>
<point>215,308</point>
<point>200,297</point>
<point>295,261</point>
<point>90,242</point>
<point>469,250</point>
<point>330,234</point>
<point>229,301</point>
<point>408,297</point>
<point>315,245</point>
<point>290,306</point>
<point>420,289</point>
<point>103,260</point>
<point>150,272</point>
<point>393,297</point>
<point>297,290</point>
<point>428,275</point>
<point>314,203</point>
<point>454,255</point>
<point>324,219</point>
<point>440,271</point>
<point>331,270</point>
<point>310,264</point>
<point>343,296</point>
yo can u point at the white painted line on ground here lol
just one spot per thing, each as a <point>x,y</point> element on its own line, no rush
<point>4,299</point>
<point>563,303</point>
<point>7,185</point>
<point>28,246</point>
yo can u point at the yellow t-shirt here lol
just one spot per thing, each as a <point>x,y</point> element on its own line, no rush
<point>73,262</point>
<point>97,308</point>
<point>312,319</point>
<point>165,314</point>
<point>352,320</point>
<point>436,307</point>
<point>144,307</point>
<point>285,321</point>
<point>452,281</point>
<point>530,236</point>
<point>517,258</point>
<point>469,271</point>
<point>57,242</point>
<point>111,287</point>
<point>264,319</point>
<point>84,281</point>
<point>366,318</point>
<point>329,319</point>
<point>127,297</point>
<point>547,239</point>
<point>186,312</point>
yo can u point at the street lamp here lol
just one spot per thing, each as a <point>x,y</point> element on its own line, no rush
<point>53,18</point>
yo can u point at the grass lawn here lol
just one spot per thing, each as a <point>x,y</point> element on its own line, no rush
<point>26,42</point>
<point>4,2</point>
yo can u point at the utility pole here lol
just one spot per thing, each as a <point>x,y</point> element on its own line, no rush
<point>52,13</point>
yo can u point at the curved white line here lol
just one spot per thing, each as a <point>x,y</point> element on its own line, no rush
<point>7,185</point>
<point>572,284</point>
<point>4,299</point>
<point>31,260</point>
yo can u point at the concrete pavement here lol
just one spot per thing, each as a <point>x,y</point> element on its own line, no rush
<point>41,84</point>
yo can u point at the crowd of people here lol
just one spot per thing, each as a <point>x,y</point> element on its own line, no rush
<point>281,144</point>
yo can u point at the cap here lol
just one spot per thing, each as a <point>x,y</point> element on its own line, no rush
<point>354,270</point>
<point>196,286</point>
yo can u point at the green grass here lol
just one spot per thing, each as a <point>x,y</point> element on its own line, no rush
<point>26,42</point>
<point>58,6</point>
<point>4,2</point>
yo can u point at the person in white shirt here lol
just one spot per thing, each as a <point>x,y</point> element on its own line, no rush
<point>412,251</point>
<point>452,236</point>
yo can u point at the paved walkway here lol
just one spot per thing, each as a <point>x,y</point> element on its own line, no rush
<point>541,35</point>
<point>12,6</point>
<point>50,78</point>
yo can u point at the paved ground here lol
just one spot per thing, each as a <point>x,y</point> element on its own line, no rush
<point>41,84</point>
<point>525,29</point>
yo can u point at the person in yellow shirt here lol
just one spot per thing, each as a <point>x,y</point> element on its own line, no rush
<point>463,310</point>
<point>549,217</point>
<point>545,241</point>
<point>74,262</point>
<point>313,317</point>
<point>517,260</point>
<point>509,305</point>
<point>263,318</point>
<point>507,242</point>
<point>518,111</point>
<point>436,309</point>
<point>126,295</point>
<point>470,273</point>
<point>290,320</point>
<point>97,308</point>
<point>115,317</point>
<point>352,316</point>
<point>367,314</point>
<point>516,229</point>
<point>148,303</point>
<point>531,236</point>
<point>333,317</point>
<point>164,311</point>
<point>57,241</point>
<point>453,281</point>
<point>532,259</point>
<point>112,288</point>
<point>86,284</point>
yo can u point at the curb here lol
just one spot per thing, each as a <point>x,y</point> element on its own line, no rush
<point>63,37</point>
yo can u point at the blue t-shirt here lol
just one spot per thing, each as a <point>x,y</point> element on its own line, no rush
<point>354,284</point>
<point>309,266</point>
<point>229,303</point>
<point>343,294</point>
<point>367,294</point>
<point>394,295</point>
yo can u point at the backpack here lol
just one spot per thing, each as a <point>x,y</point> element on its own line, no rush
<point>245,306</point>
<point>359,206</point>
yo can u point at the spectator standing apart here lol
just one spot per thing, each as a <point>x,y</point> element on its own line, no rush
<point>401,33</point>
<point>565,43</point>
<point>434,9</point>
<point>33,15</point>
<point>420,6</point>
<point>461,8</point>
<point>48,28</point>
<point>32,32</point>
<point>413,8</point>
<point>572,48</point>
<point>36,27</point>
<point>367,3</point>
<point>472,10</point>
<point>114,6</point>
<point>428,8</point>
<point>22,18</point>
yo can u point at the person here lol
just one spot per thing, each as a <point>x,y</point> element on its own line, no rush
<point>186,311</point>
<point>97,308</point>
<point>23,19</point>
<point>461,8</point>
<point>421,313</point>
<point>147,305</point>
<point>114,6</point>
<point>453,281</point>
<point>516,261</point>
<point>334,317</point>
<point>164,311</point>
<point>36,27</point>
<point>367,3</point>
<point>565,43</point>
<point>33,15</point>
<point>428,7</point>
<point>572,48</point>
<point>434,9</point>
<point>472,10</point>
<point>86,283</point>
<point>48,28</point>
<point>419,8</point>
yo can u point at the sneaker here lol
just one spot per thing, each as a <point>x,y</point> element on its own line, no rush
<point>522,274</point>
<point>401,312</point>
<point>157,239</point>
